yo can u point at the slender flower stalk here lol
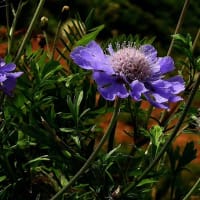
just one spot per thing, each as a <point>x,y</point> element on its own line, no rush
<point>7,16</point>
<point>44,25</point>
<point>187,196</point>
<point>94,154</point>
<point>172,136</point>
<point>178,26</point>
<point>196,40</point>
<point>65,9</point>
<point>30,28</point>
<point>12,28</point>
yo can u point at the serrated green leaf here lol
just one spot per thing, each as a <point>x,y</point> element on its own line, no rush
<point>179,37</point>
<point>156,135</point>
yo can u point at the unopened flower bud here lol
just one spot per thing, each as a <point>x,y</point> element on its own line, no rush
<point>44,23</point>
<point>64,12</point>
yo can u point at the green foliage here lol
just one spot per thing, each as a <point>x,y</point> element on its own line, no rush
<point>90,36</point>
<point>188,62</point>
<point>180,160</point>
<point>54,122</point>
<point>157,138</point>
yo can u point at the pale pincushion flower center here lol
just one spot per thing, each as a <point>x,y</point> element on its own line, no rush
<point>130,63</point>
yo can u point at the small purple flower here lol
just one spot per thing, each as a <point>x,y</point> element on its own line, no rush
<point>7,77</point>
<point>130,70</point>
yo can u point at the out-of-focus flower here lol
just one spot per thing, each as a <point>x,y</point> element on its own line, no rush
<point>7,77</point>
<point>130,70</point>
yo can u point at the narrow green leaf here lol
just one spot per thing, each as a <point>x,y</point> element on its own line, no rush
<point>2,178</point>
<point>79,99</point>
<point>38,159</point>
<point>89,18</point>
<point>90,36</point>
<point>108,155</point>
<point>146,181</point>
<point>67,130</point>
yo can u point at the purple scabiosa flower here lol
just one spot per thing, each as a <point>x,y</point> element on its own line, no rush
<point>7,77</point>
<point>130,70</point>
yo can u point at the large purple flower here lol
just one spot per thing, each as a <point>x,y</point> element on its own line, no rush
<point>130,70</point>
<point>7,77</point>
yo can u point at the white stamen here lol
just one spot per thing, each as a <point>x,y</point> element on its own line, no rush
<point>129,62</point>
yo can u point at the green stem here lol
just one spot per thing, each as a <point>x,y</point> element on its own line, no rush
<point>7,19</point>
<point>62,19</point>
<point>111,138</point>
<point>172,192</point>
<point>178,26</point>
<point>30,29</point>
<point>94,154</point>
<point>135,119</point>
<point>175,131</point>
<point>55,39</point>
<point>149,112</point>
<point>8,167</point>
<point>192,189</point>
<point>12,28</point>
<point>47,43</point>
<point>196,40</point>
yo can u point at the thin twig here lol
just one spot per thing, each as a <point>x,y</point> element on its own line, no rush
<point>12,28</point>
<point>30,28</point>
<point>178,26</point>
<point>192,189</point>
<point>196,39</point>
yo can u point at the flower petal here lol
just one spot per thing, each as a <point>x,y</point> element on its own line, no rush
<point>2,62</point>
<point>177,84</point>
<point>137,89</point>
<point>2,77</point>
<point>110,49</point>
<point>164,91</point>
<point>8,86</point>
<point>14,74</point>
<point>7,67</point>
<point>150,53</point>
<point>91,57</point>
<point>175,98</point>
<point>166,64</point>
<point>7,77</point>
<point>158,98</point>
<point>161,88</point>
<point>109,86</point>
<point>155,103</point>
